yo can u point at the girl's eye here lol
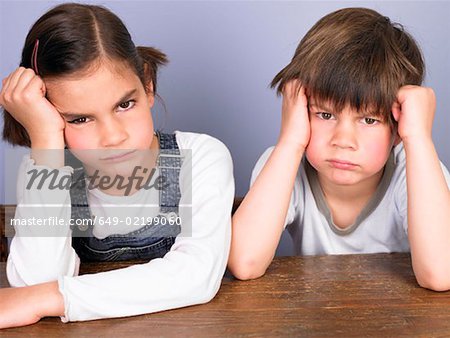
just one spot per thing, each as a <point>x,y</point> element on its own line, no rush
<point>325,116</point>
<point>79,120</point>
<point>370,120</point>
<point>127,104</point>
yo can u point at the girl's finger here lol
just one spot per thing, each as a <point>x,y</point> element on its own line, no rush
<point>35,85</point>
<point>13,79</point>
<point>25,77</point>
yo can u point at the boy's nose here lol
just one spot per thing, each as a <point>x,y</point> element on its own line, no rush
<point>344,136</point>
<point>113,133</point>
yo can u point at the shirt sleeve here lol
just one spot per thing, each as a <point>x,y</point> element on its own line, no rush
<point>40,250</point>
<point>293,203</point>
<point>191,272</point>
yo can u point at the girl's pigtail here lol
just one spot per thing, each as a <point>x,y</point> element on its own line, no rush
<point>153,58</point>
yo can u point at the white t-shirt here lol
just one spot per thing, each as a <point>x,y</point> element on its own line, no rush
<point>381,227</point>
<point>190,273</point>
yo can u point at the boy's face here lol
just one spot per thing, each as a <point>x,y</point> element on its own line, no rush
<point>347,148</point>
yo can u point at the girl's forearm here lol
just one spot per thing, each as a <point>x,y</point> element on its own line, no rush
<point>428,215</point>
<point>48,300</point>
<point>259,221</point>
<point>48,149</point>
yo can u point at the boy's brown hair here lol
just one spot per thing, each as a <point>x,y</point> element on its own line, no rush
<point>355,57</point>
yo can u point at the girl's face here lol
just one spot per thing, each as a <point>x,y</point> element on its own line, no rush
<point>347,148</point>
<point>107,115</point>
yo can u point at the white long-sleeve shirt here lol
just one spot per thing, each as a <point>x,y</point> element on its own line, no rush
<point>190,273</point>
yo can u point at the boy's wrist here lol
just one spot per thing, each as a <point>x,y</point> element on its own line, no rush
<point>412,142</point>
<point>295,149</point>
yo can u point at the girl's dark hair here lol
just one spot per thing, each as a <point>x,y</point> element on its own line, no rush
<point>72,39</point>
<point>355,57</point>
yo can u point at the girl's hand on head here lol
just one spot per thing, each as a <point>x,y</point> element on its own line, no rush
<point>23,96</point>
<point>414,111</point>
<point>295,125</point>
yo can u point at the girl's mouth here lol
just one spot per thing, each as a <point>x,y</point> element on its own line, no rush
<point>119,156</point>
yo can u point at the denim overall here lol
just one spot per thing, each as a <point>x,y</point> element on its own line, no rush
<point>149,242</point>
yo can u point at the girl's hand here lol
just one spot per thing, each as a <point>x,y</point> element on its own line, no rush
<point>414,112</point>
<point>295,125</point>
<point>27,305</point>
<point>16,308</point>
<point>23,96</point>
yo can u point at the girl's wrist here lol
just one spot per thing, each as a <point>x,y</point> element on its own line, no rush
<point>54,140</point>
<point>48,300</point>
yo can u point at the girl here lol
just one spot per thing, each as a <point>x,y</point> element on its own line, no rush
<point>82,84</point>
<point>339,178</point>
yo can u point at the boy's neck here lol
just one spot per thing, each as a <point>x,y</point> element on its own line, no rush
<point>364,190</point>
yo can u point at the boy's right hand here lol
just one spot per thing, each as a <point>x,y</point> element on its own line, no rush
<point>23,96</point>
<point>295,125</point>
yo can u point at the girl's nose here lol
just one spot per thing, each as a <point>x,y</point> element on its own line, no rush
<point>113,133</point>
<point>344,135</point>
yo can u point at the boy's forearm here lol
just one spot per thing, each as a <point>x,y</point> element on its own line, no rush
<point>258,223</point>
<point>428,215</point>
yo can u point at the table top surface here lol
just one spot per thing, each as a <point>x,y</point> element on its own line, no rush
<point>345,295</point>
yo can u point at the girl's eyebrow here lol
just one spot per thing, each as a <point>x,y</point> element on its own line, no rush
<point>73,116</point>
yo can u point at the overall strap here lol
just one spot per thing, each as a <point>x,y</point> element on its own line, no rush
<point>169,164</point>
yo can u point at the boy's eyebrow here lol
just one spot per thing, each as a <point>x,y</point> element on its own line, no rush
<point>320,106</point>
<point>126,96</point>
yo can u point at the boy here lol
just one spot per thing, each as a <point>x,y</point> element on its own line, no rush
<point>355,169</point>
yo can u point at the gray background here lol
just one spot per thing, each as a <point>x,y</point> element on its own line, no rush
<point>223,56</point>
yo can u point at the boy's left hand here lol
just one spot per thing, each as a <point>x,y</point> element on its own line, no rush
<point>414,111</point>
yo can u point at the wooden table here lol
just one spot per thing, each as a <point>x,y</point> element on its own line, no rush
<point>349,295</point>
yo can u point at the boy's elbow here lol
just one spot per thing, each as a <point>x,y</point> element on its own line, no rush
<point>436,281</point>
<point>246,270</point>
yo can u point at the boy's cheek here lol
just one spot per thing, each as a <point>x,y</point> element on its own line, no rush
<point>377,154</point>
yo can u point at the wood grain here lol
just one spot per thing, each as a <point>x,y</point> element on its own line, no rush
<point>340,296</point>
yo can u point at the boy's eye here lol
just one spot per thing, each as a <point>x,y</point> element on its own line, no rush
<point>369,120</point>
<point>79,120</point>
<point>127,104</point>
<point>325,116</point>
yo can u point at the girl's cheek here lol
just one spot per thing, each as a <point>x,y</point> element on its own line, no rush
<point>76,140</point>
